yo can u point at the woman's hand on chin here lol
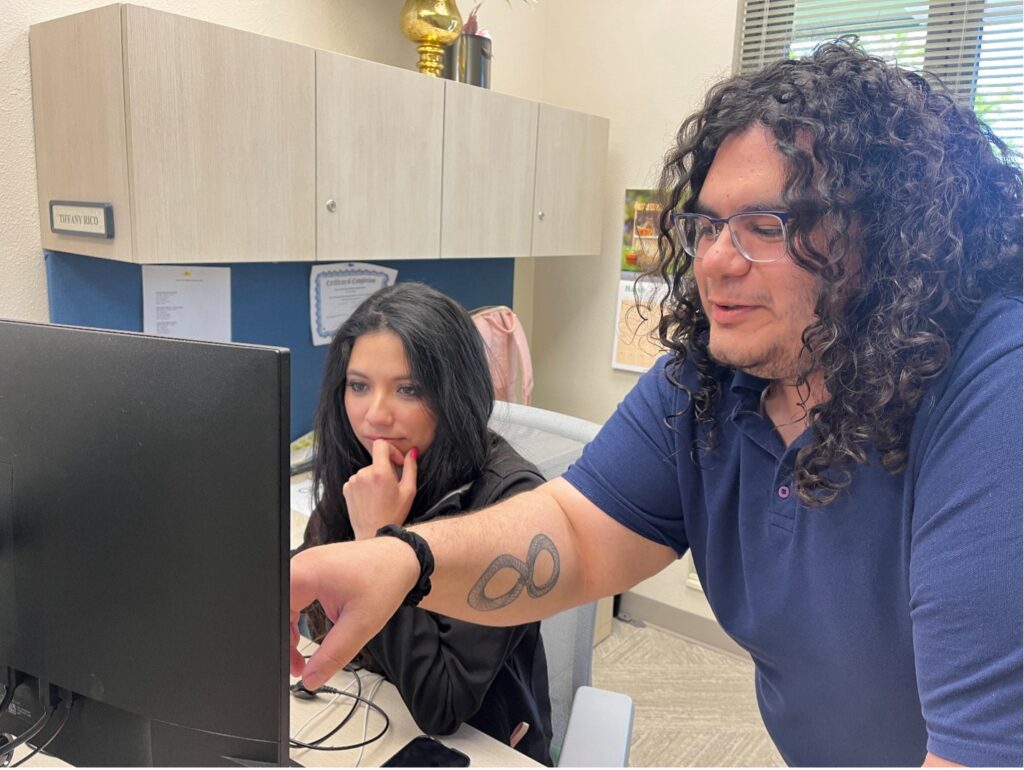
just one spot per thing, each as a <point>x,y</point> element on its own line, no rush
<point>382,492</point>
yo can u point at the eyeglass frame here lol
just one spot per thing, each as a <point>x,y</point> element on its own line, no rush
<point>783,217</point>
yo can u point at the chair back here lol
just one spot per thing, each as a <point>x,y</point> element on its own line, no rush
<point>569,647</point>
<point>550,440</point>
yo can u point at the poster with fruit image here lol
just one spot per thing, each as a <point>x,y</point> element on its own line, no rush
<point>640,230</point>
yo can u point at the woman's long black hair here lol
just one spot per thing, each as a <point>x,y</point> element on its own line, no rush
<point>448,366</point>
<point>919,206</point>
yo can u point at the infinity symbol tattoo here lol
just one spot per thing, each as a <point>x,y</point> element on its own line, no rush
<point>479,600</point>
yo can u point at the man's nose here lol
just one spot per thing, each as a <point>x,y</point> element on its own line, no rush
<point>723,258</point>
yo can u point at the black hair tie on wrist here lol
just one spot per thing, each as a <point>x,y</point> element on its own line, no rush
<point>423,555</point>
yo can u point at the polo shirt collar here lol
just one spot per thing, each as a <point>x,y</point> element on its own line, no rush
<point>746,414</point>
<point>744,383</point>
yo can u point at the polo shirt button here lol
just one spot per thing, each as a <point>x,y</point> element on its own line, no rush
<point>783,492</point>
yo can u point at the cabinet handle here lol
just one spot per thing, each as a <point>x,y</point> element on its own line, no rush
<point>331,205</point>
<point>540,215</point>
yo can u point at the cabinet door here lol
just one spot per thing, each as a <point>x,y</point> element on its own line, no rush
<point>490,143</point>
<point>571,151</point>
<point>379,133</point>
<point>221,142</point>
<point>78,107</point>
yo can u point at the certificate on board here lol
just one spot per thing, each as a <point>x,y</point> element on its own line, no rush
<point>189,302</point>
<point>635,347</point>
<point>338,289</point>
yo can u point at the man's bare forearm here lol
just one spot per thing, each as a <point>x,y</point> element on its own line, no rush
<point>521,560</point>
<point>509,564</point>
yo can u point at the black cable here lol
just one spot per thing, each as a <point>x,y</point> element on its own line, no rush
<point>67,714</point>
<point>367,742</point>
<point>29,734</point>
<point>358,698</point>
<point>351,712</point>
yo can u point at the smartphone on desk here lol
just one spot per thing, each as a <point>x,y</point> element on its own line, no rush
<point>424,751</point>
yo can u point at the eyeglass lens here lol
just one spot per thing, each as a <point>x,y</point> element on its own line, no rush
<point>758,236</point>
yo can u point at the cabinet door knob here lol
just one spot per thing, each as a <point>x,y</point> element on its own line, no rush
<point>331,205</point>
<point>540,215</point>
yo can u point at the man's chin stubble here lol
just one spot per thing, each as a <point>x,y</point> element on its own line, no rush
<point>765,366</point>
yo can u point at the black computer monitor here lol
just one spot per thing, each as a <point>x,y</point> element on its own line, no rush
<point>144,544</point>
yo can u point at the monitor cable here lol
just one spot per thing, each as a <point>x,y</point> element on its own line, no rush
<point>7,748</point>
<point>66,708</point>
<point>299,691</point>
<point>315,717</point>
<point>357,696</point>
<point>366,719</point>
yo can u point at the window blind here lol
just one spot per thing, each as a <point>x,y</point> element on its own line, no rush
<point>975,46</point>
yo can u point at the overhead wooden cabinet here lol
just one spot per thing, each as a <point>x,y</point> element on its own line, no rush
<point>201,136</point>
<point>490,147</point>
<point>213,145</point>
<point>379,139</point>
<point>571,152</point>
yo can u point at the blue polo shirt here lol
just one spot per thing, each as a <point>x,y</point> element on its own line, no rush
<point>883,625</point>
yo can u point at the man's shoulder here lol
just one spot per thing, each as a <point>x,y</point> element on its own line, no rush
<point>996,330</point>
<point>988,351</point>
<point>999,315</point>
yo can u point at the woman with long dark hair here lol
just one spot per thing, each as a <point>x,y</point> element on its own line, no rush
<point>402,437</point>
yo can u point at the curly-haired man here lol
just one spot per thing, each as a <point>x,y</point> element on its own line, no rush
<point>835,433</point>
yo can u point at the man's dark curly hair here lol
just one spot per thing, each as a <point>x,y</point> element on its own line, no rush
<point>917,206</point>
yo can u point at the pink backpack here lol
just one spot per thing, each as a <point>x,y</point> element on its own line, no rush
<point>508,353</point>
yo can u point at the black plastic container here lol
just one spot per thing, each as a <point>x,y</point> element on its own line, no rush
<point>468,60</point>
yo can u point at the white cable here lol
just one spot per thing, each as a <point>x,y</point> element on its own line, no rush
<point>366,717</point>
<point>366,709</point>
<point>321,712</point>
<point>318,714</point>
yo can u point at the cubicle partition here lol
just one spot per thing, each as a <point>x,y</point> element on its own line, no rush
<point>269,304</point>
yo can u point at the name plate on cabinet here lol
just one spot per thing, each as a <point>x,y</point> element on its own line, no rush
<point>95,220</point>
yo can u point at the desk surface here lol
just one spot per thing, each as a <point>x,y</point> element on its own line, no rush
<point>482,750</point>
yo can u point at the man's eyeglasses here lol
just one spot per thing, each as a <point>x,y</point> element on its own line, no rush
<point>760,236</point>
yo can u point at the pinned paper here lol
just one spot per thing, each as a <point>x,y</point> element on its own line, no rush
<point>189,302</point>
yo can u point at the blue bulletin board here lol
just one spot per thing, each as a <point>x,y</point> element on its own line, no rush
<point>269,304</point>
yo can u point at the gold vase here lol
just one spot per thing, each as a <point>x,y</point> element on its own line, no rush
<point>433,24</point>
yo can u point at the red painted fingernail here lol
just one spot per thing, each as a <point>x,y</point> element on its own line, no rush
<point>415,453</point>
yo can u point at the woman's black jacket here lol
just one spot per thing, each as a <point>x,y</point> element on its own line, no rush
<point>449,671</point>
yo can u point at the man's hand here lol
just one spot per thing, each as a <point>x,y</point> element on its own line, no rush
<point>359,585</point>
<point>375,496</point>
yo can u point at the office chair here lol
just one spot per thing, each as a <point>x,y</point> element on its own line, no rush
<point>592,727</point>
